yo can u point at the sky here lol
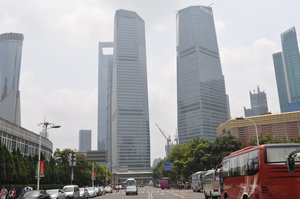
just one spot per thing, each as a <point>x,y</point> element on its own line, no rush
<point>59,67</point>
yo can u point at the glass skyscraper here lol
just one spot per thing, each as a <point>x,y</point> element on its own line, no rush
<point>287,71</point>
<point>130,114</point>
<point>85,140</point>
<point>201,98</point>
<point>104,98</point>
<point>259,104</point>
<point>10,63</point>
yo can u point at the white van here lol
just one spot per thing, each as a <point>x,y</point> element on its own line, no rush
<point>211,184</point>
<point>72,191</point>
<point>131,187</point>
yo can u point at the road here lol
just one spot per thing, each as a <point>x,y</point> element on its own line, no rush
<point>155,193</point>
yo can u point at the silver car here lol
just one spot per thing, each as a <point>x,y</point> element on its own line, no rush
<point>83,193</point>
<point>56,193</point>
<point>92,192</point>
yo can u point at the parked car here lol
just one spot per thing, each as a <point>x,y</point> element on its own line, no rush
<point>131,187</point>
<point>91,191</point>
<point>72,191</point>
<point>102,191</point>
<point>83,193</point>
<point>36,194</point>
<point>56,193</point>
<point>108,189</point>
<point>97,190</point>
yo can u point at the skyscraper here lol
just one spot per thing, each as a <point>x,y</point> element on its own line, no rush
<point>85,140</point>
<point>287,71</point>
<point>104,98</point>
<point>201,99</point>
<point>130,114</point>
<point>259,104</point>
<point>10,63</point>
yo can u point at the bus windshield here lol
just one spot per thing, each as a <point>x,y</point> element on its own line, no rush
<point>279,154</point>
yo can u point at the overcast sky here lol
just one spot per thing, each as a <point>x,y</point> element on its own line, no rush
<point>59,68</point>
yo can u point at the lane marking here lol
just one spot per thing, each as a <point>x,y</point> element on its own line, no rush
<point>150,196</point>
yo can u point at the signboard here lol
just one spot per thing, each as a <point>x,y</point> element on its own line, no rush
<point>168,166</point>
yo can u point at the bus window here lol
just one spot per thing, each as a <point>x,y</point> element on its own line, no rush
<point>252,164</point>
<point>225,169</point>
<point>278,154</point>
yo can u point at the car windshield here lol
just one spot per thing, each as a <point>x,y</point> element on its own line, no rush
<point>130,183</point>
<point>68,189</point>
<point>90,188</point>
<point>52,191</point>
<point>31,194</point>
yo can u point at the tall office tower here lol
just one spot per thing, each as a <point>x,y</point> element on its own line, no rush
<point>259,104</point>
<point>104,98</point>
<point>201,99</point>
<point>85,140</point>
<point>130,114</point>
<point>287,71</point>
<point>10,63</point>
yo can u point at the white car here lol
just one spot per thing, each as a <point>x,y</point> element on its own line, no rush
<point>91,191</point>
<point>56,193</point>
<point>108,189</point>
<point>131,187</point>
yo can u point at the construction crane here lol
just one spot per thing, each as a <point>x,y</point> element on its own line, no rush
<point>167,138</point>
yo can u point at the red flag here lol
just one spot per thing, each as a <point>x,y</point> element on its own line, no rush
<point>42,168</point>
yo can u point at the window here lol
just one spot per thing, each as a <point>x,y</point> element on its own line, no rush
<point>279,154</point>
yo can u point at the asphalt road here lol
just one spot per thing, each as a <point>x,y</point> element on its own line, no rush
<point>155,193</point>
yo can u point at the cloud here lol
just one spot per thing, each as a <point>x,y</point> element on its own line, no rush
<point>73,109</point>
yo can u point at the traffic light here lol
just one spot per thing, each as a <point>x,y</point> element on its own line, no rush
<point>72,159</point>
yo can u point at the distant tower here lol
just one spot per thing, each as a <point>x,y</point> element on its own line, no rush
<point>259,104</point>
<point>130,113</point>
<point>287,71</point>
<point>85,140</point>
<point>10,63</point>
<point>202,103</point>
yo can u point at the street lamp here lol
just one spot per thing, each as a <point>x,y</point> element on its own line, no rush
<point>45,125</point>
<point>256,132</point>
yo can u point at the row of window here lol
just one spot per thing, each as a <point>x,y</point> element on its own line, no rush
<point>24,146</point>
<point>241,165</point>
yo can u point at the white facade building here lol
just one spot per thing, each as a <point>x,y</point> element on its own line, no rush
<point>10,61</point>
<point>201,99</point>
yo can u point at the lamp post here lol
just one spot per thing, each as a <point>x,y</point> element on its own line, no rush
<point>45,125</point>
<point>256,132</point>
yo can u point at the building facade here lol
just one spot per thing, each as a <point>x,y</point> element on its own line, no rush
<point>15,137</point>
<point>104,98</point>
<point>201,98</point>
<point>85,140</point>
<point>287,71</point>
<point>130,113</point>
<point>259,104</point>
<point>10,63</point>
<point>284,126</point>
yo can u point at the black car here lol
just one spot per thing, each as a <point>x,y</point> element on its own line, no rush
<point>36,194</point>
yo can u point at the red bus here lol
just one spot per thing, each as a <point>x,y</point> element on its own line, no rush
<point>164,183</point>
<point>261,172</point>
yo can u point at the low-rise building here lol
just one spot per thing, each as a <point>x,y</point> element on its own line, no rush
<point>279,126</point>
<point>15,137</point>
